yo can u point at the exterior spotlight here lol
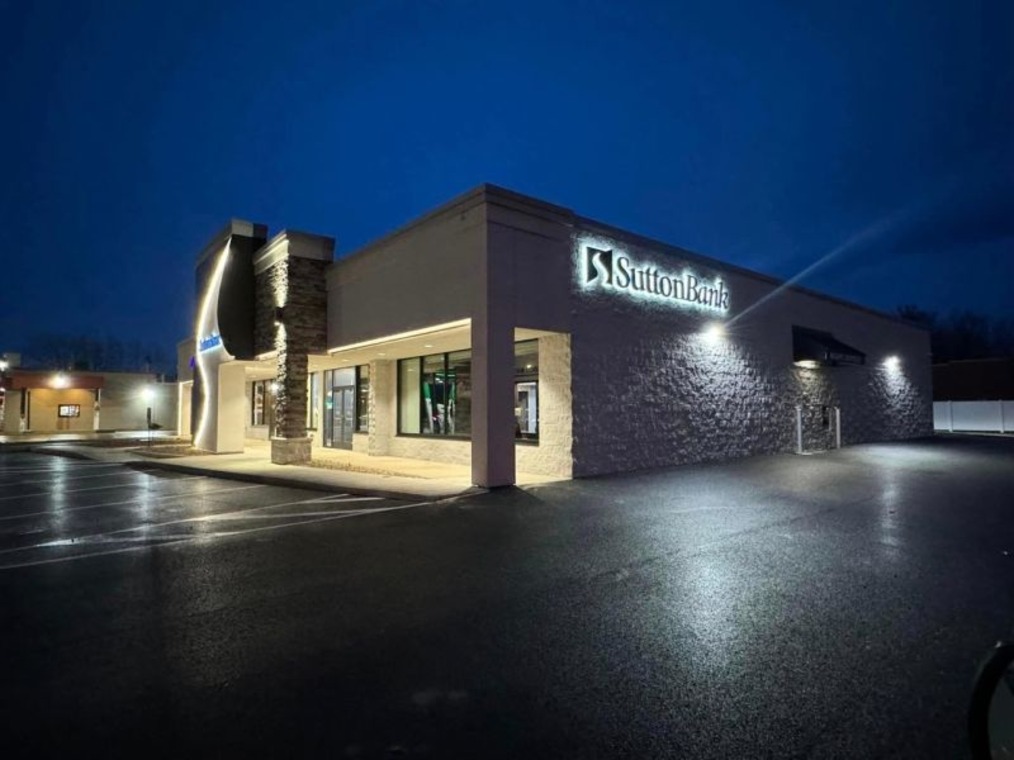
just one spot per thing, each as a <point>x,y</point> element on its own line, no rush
<point>713,332</point>
<point>4,364</point>
<point>807,363</point>
<point>274,387</point>
<point>148,394</point>
<point>59,380</point>
<point>892,362</point>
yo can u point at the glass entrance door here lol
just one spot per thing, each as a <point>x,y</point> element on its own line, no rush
<point>343,417</point>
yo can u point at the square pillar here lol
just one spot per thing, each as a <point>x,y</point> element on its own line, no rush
<point>492,400</point>
<point>231,409</point>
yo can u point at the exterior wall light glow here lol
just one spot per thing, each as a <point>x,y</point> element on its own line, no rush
<point>59,380</point>
<point>892,363</point>
<point>807,363</point>
<point>148,394</point>
<point>274,387</point>
<point>714,332</point>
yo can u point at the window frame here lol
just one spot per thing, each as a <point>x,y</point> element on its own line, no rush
<point>359,428</point>
<point>524,377</point>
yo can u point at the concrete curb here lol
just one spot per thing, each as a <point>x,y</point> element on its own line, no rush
<point>310,485</point>
<point>141,464</point>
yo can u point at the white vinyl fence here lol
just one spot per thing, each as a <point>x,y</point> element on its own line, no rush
<point>974,416</point>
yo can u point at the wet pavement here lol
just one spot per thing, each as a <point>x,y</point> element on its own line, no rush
<point>831,606</point>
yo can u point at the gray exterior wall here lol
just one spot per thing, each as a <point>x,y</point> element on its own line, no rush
<point>418,277</point>
<point>650,391</point>
<point>644,388</point>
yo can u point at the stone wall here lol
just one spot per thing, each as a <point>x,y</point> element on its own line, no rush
<point>652,389</point>
<point>297,287</point>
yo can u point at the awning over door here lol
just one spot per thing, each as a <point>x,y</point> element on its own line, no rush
<point>819,348</point>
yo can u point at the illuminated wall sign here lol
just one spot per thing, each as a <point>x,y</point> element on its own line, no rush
<point>608,269</point>
<point>68,410</point>
<point>212,341</point>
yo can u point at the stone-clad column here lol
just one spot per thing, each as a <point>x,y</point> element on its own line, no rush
<point>291,320</point>
<point>291,443</point>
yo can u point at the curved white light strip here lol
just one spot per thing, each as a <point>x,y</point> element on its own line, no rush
<point>207,327</point>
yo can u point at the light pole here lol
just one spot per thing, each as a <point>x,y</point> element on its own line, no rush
<point>148,394</point>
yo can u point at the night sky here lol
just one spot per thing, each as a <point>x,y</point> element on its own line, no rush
<point>765,134</point>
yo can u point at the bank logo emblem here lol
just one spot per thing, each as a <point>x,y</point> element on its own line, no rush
<point>606,269</point>
<point>598,266</point>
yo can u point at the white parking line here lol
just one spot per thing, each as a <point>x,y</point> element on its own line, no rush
<point>186,520</point>
<point>190,495</point>
<point>76,464</point>
<point>96,488</point>
<point>206,537</point>
<point>83,477</point>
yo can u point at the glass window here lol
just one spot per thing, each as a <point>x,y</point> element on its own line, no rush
<point>526,390</point>
<point>313,401</point>
<point>435,393</point>
<point>328,408</point>
<point>363,398</point>
<point>409,396</point>
<point>459,379</point>
<point>258,403</point>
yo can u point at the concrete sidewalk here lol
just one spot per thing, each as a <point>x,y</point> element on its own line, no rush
<point>35,439</point>
<point>253,466</point>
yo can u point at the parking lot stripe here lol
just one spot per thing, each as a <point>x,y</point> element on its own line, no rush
<point>81,465</point>
<point>167,497</point>
<point>206,537</point>
<point>82,477</point>
<point>96,488</point>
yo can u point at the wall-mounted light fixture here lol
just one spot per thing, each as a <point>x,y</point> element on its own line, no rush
<point>713,332</point>
<point>892,363</point>
<point>59,380</point>
<point>807,363</point>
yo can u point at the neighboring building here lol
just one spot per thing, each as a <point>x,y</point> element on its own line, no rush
<point>51,401</point>
<point>508,333</point>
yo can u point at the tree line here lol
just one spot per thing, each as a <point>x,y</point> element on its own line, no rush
<point>963,334</point>
<point>108,354</point>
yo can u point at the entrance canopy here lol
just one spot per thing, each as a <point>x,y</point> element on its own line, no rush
<point>816,348</point>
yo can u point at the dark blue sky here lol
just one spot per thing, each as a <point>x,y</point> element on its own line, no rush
<point>765,134</point>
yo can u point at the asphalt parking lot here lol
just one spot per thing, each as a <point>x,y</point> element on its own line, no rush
<point>832,606</point>
<point>55,510</point>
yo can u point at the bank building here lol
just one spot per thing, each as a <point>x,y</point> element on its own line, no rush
<point>514,336</point>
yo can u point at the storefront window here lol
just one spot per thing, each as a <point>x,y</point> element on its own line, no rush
<point>363,398</point>
<point>526,390</point>
<point>313,401</point>
<point>435,393</point>
<point>459,377</point>
<point>258,403</point>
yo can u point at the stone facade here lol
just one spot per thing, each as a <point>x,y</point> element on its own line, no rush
<point>292,297</point>
<point>651,389</point>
